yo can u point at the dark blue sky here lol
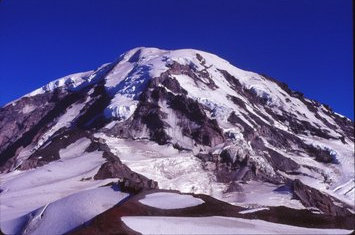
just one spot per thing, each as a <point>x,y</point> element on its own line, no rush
<point>305,43</point>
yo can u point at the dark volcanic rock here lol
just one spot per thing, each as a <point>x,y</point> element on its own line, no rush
<point>192,119</point>
<point>129,180</point>
<point>281,162</point>
<point>39,125</point>
<point>92,115</point>
<point>190,70</point>
<point>237,101</point>
<point>24,121</point>
<point>152,117</point>
<point>19,117</point>
<point>321,155</point>
<point>311,197</point>
<point>191,112</point>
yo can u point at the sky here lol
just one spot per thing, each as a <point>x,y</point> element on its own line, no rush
<point>304,43</point>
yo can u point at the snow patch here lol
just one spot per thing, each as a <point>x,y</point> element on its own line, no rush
<point>70,82</point>
<point>266,94</point>
<point>164,200</point>
<point>75,149</point>
<point>28,108</point>
<point>254,210</point>
<point>256,194</point>
<point>121,108</point>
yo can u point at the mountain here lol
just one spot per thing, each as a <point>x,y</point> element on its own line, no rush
<point>181,122</point>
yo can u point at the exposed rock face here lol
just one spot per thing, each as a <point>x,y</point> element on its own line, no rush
<point>50,152</point>
<point>314,198</point>
<point>112,168</point>
<point>191,116</point>
<point>23,120</point>
<point>128,180</point>
<point>239,127</point>
<point>28,121</point>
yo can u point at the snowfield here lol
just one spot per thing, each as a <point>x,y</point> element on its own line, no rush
<point>64,214</point>
<point>26,191</point>
<point>170,200</point>
<point>70,212</point>
<point>215,225</point>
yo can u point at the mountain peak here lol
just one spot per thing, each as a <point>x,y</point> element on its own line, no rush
<point>178,119</point>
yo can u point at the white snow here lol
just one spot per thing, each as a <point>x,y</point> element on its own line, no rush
<point>266,93</point>
<point>129,77</point>
<point>25,191</point>
<point>253,210</point>
<point>172,169</point>
<point>74,81</point>
<point>184,172</point>
<point>256,194</point>
<point>340,175</point>
<point>215,225</point>
<point>164,200</point>
<point>75,149</point>
<point>131,73</point>
<point>70,81</point>
<point>121,107</point>
<point>69,212</point>
<point>347,189</point>
<point>28,108</point>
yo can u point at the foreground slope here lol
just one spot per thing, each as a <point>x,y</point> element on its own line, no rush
<point>145,213</point>
<point>184,120</point>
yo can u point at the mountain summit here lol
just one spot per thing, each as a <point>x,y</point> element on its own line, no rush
<point>183,120</point>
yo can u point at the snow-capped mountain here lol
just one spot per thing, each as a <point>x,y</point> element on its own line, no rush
<point>182,120</point>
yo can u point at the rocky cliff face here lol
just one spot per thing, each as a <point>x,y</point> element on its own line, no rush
<point>185,120</point>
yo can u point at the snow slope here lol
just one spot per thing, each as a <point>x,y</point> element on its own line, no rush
<point>170,200</point>
<point>26,191</point>
<point>215,225</point>
<point>72,211</point>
